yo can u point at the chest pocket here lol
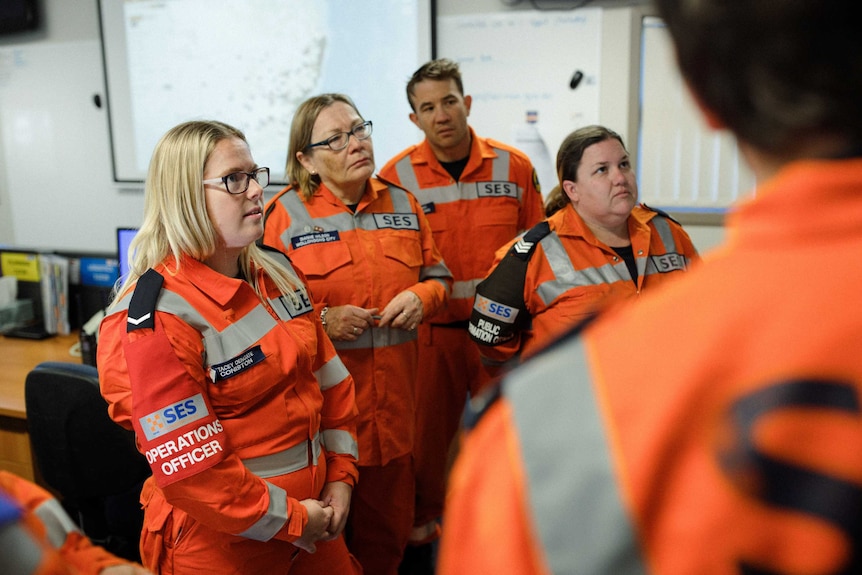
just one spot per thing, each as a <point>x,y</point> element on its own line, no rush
<point>404,248</point>
<point>242,381</point>
<point>499,212</point>
<point>321,259</point>
<point>581,302</point>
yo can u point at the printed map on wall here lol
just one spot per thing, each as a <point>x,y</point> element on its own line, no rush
<point>193,59</point>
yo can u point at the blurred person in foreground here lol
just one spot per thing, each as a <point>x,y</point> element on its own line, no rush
<point>599,248</point>
<point>376,274</point>
<point>714,427</point>
<point>213,354</point>
<point>37,536</point>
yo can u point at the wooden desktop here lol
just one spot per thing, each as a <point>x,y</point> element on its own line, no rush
<point>19,356</point>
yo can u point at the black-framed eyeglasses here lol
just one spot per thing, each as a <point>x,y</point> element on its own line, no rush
<point>339,141</point>
<point>238,182</point>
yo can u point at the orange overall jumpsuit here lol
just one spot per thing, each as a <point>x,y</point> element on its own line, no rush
<point>52,544</point>
<point>714,428</point>
<point>494,200</point>
<point>365,258</point>
<point>559,273</point>
<point>242,408</point>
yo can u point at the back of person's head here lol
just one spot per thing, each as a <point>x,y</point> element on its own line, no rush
<point>572,149</point>
<point>300,138</point>
<point>439,69</point>
<point>775,72</point>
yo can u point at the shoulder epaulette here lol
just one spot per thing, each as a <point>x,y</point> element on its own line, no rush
<point>526,245</point>
<point>662,213</point>
<point>390,183</point>
<point>142,307</point>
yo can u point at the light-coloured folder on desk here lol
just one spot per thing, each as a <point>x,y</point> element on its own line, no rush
<point>54,279</point>
<point>50,272</point>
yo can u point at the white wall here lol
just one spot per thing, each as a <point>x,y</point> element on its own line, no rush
<point>69,200</point>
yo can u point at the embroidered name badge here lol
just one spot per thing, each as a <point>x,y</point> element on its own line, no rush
<point>237,364</point>
<point>496,310</point>
<point>429,208</point>
<point>314,238</point>
<point>668,262</point>
<point>170,417</point>
<point>497,189</point>
<point>292,308</point>
<point>397,221</point>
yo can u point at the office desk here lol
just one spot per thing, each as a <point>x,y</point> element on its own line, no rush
<point>17,358</point>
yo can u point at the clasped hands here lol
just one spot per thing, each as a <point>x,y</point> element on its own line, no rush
<point>349,322</point>
<point>327,516</point>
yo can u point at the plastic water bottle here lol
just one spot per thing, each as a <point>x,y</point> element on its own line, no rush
<point>528,139</point>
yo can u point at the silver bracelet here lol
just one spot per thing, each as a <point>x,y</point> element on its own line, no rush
<point>323,313</point>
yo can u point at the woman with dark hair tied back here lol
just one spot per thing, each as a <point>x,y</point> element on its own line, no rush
<point>376,273</point>
<point>598,247</point>
<point>716,426</point>
<point>213,354</point>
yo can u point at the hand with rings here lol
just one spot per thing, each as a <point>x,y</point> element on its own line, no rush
<point>348,322</point>
<point>403,312</point>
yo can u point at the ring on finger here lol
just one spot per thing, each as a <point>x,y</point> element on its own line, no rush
<point>355,331</point>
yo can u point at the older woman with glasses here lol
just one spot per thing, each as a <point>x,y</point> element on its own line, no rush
<point>214,355</point>
<point>375,274</point>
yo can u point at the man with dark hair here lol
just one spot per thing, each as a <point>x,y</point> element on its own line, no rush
<point>477,194</point>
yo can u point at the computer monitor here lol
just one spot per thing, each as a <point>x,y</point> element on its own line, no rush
<point>124,238</point>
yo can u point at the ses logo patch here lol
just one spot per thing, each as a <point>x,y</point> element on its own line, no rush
<point>491,308</point>
<point>167,419</point>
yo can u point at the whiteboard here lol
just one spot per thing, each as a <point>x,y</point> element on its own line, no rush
<point>524,61</point>
<point>56,147</point>
<point>683,165</point>
<point>169,62</point>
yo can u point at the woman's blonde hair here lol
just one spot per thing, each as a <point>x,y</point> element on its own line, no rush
<point>300,138</point>
<point>176,222</point>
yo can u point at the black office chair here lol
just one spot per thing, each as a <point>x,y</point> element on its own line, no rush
<point>89,460</point>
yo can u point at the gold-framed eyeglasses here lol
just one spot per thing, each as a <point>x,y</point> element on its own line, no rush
<point>339,141</point>
<point>238,182</point>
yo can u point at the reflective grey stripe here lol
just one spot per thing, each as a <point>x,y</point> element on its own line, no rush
<point>220,346</point>
<point>500,170</point>
<point>301,220</point>
<point>57,522</point>
<point>340,441</point>
<point>21,553</point>
<point>573,492</point>
<point>230,342</point>
<point>436,273</point>
<point>377,337</point>
<point>284,462</point>
<point>274,519</point>
<point>647,266</point>
<point>465,289</point>
<point>566,277</point>
<point>662,226</point>
<point>406,175</point>
<point>331,374</point>
<point>456,191</point>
